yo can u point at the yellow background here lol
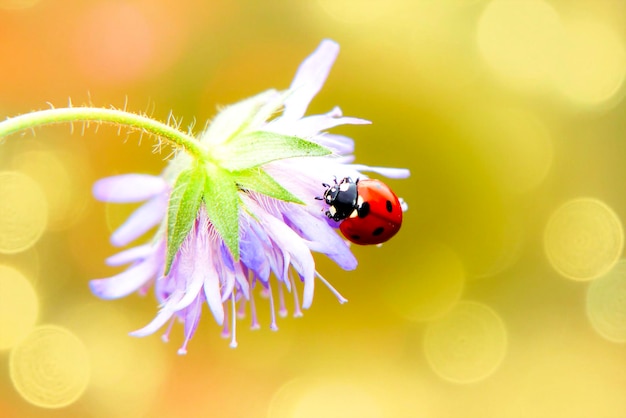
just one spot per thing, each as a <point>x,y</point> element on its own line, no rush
<point>505,112</point>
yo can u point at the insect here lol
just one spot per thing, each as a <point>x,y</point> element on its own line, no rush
<point>369,212</point>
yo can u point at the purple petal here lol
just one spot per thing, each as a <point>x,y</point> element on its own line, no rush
<point>307,292</point>
<point>225,271</point>
<point>288,242</point>
<point>191,291</point>
<point>213,297</point>
<point>192,317</point>
<point>206,256</point>
<point>164,287</point>
<point>128,188</point>
<point>130,255</point>
<point>304,176</point>
<point>231,118</point>
<point>126,282</point>
<point>242,281</point>
<point>338,144</point>
<point>141,221</point>
<point>228,284</point>
<point>253,250</point>
<point>322,237</point>
<point>392,173</point>
<point>189,269</point>
<point>310,78</point>
<point>312,125</point>
<point>159,320</point>
<point>226,256</point>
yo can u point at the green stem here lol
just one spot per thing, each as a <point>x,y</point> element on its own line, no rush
<point>93,114</point>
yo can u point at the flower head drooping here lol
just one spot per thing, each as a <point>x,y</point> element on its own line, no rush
<point>242,217</point>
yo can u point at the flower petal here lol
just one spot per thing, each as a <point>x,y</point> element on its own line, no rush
<point>310,78</point>
<point>290,243</point>
<point>191,291</point>
<point>128,188</point>
<point>322,238</point>
<point>213,297</point>
<point>141,221</point>
<point>312,125</point>
<point>242,281</point>
<point>159,320</point>
<point>236,117</point>
<point>392,173</point>
<point>192,319</point>
<point>253,249</point>
<point>130,255</point>
<point>126,282</point>
<point>338,144</point>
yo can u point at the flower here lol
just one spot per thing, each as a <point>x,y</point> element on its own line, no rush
<point>242,217</point>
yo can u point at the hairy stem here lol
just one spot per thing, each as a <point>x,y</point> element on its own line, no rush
<point>113,116</point>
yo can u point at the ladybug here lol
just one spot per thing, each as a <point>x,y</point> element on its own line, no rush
<point>369,212</point>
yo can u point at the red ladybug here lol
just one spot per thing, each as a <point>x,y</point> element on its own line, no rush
<point>369,212</point>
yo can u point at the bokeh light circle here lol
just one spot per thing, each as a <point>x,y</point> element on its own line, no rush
<point>24,212</point>
<point>19,306</point>
<point>606,304</point>
<point>50,367</point>
<point>57,173</point>
<point>520,40</point>
<point>328,397</point>
<point>427,287</point>
<point>466,345</point>
<point>583,239</point>
<point>593,67</point>
<point>126,373</point>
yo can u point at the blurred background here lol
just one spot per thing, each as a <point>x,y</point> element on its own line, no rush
<point>504,295</point>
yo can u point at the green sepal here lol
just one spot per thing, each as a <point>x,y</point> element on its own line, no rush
<point>257,180</point>
<point>222,202</point>
<point>257,148</point>
<point>183,208</point>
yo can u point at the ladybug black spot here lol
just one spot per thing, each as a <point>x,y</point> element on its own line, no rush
<point>355,237</point>
<point>364,210</point>
<point>378,231</point>
<point>389,206</point>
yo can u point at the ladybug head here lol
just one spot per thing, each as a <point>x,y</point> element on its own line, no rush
<point>331,193</point>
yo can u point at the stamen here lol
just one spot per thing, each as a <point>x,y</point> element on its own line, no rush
<point>233,341</point>
<point>253,316</point>
<point>297,311</point>
<point>183,349</point>
<point>166,335</point>
<point>273,325</point>
<point>282,309</point>
<point>225,329</point>
<point>241,312</point>
<point>331,288</point>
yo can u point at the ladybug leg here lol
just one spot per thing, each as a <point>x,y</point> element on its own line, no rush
<point>319,198</point>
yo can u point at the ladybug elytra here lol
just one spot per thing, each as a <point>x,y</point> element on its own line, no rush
<point>369,212</point>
